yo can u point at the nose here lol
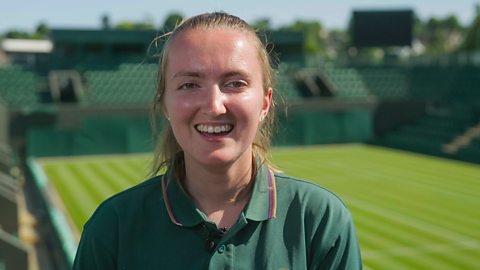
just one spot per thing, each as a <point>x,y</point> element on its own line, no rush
<point>214,101</point>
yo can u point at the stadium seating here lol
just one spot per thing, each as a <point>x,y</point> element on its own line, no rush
<point>130,84</point>
<point>18,87</point>
<point>348,82</point>
<point>14,251</point>
<point>385,82</point>
<point>285,86</point>
<point>14,254</point>
<point>458,83</point>
<point>429,134</point>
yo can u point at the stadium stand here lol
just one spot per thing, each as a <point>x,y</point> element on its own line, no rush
<point>18,87</point>
<point>286,87</point>
<point>130,84</point>
<point>385,82</point>
<point>445,82</point>
<point>17,226</point>
<point>347,82</point>
<point>436,132</point>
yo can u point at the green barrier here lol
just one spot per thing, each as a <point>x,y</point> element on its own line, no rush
<point>108,135</point>
<point>58,218</point>
<point>47,141</point>
<point>306,128</point>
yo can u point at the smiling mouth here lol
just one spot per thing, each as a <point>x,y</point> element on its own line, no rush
<point>214,129</point>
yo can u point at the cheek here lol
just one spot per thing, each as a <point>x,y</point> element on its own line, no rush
<point>253,104</point>
<point>177,107</point>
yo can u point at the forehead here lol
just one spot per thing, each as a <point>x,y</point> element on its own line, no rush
<point>211,45</point>
<point>223,33</point>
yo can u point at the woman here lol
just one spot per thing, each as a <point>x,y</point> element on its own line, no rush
<point>219,205</point>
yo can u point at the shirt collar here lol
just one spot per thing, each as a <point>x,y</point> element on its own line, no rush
<point>263,201</point>
<point>183,212</point>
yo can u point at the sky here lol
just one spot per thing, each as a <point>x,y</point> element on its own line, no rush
<point>25,15</point>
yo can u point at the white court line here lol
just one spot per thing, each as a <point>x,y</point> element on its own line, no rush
<point>419,250</point>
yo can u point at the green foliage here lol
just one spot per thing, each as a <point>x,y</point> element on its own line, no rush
<point>18,34</point>
<point>439,35</point>
<point>41,32</point>
<point>172,20</point>
<point>262,25</point>
<point>472,38</point>
<point>314,38</point>
<point>129,25</point>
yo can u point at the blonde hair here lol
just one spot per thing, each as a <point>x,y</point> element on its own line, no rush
<point>168,150</point>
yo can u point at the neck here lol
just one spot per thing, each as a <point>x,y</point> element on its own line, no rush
<point>220,193</point>
<point>222,186</point>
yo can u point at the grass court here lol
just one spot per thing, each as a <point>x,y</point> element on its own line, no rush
<point>411,211</point>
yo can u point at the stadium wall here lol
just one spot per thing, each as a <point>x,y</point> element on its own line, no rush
<point>4,121</point>
<point>58,245</point>
<point>389,115</point>
<point>77,130</point>
<point>320,121</point>
<point>13,253</point>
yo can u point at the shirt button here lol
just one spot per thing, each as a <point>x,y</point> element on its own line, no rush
<point>210,245</point>
<point>221,249</point>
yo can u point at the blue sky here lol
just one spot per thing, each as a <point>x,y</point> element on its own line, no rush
<point>26,14</point>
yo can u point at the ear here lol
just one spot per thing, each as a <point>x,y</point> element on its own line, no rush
<point>267,102</point>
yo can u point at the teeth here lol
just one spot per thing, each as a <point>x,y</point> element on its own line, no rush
<point>214,129</point>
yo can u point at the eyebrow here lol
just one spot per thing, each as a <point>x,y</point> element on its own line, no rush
<point>199,74</point>
<point>187,74</point>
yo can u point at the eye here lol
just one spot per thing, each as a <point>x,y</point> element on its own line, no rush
<point>236,84</point>
<point>186,86</point>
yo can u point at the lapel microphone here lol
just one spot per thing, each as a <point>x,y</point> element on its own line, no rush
<point>212,236</point>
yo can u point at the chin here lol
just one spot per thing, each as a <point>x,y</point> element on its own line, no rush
<point>217,158</point>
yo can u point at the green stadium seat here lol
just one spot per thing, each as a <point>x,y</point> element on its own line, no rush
<point>18,87</point>
<point>130,84</point>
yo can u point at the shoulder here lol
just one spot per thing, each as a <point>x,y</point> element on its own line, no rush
<point>306,190</point>
<point>125,202</point>
<point>314,201</point>
<point>324,216</point>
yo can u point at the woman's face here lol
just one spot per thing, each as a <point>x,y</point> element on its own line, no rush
<point>214,95</point>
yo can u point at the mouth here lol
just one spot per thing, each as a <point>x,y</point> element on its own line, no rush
<point>214,129</point>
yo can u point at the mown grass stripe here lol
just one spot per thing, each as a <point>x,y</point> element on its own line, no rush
<point>466,173</point>
<point>96,186</point>
<point>439,180</point>
<point>408,221</point>
<point>72,192</point>
<point>401,233</point>
<point>373,155</point>
<point>128,173</point>
<point>374,168</point>
<point>423,208</point>
<point>111,178</point>
<point>415,211</point>
<point>451,215</point>
<point>377,229</point>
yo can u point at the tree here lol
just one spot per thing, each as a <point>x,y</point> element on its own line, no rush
<point>41,31</point>
<point>18,34</point>
<point>439,36</point>
<point>472,39</point>
<point>105,22</point>
<point>172,20</point>
<point>262,25</point>
<point>129,25</point>
<point>314,35</point>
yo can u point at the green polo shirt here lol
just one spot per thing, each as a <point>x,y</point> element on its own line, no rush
<point>287,224</point>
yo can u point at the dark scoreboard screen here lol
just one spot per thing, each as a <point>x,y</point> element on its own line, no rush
<point>382,28</point>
